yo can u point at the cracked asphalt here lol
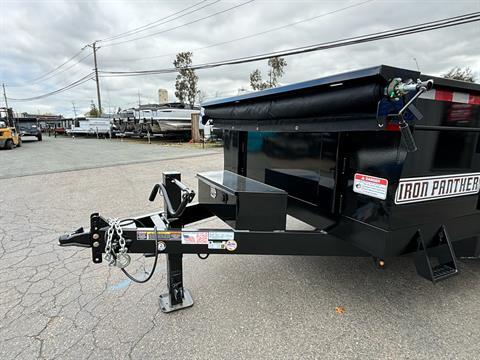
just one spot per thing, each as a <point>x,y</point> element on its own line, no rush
<point>56,304</point>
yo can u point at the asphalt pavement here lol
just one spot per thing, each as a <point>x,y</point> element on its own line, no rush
<point>62,153</point>
<point>56,304</point>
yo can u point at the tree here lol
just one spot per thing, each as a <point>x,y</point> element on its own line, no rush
<point>276,70</point>
<point>458,73</point>
<point>202,95</point>
<point>186,81</point>
<point>93,112</point>
<point>256,80</point>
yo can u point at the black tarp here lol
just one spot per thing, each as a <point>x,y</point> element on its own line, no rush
<point>336,101</point>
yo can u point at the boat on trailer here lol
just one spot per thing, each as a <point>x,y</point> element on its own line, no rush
<point>171,119</point>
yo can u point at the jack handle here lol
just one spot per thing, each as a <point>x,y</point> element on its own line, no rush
<point>187,197</point>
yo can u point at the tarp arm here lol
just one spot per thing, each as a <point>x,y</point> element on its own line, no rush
<point>400,89</point>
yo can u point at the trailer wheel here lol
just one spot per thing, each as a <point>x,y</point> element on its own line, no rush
<point>9,144</point>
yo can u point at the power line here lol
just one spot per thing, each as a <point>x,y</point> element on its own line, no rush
<point>67,68</point>
<point>46,76</point>
<point>58,73</point>
<point>58,67</point>
<point>254,34</point>
<point>159,22</point>
<point>181,25</point>
<point>412,29</point>
<point>65,88</point>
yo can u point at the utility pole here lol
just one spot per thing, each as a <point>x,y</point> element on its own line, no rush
<point>139,110</point>
<point>99,100</point>
<point>94,46</point>
<point>74,109</point>
<point>416,62</point>
<point>6,104</point>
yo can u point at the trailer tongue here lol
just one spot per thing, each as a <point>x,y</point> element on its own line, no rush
<point>381,162</point>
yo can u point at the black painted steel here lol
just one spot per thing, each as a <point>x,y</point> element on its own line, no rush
<point>174,198</point>
<point>317,168</point>
<point>437,262</point>
<point>297,149</point>
<point>241,202</point>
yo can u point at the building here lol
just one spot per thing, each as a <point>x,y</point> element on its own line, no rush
<point>47,121</point>
<point>162,96</point>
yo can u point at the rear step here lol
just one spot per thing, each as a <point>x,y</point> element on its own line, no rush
<point>437,262</point>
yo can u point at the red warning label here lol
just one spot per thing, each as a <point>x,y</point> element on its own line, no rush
<point>370,186</point>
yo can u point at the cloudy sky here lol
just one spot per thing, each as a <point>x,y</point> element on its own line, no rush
<point>38,36</point>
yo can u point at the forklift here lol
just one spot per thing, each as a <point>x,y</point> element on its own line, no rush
<point>9,135</point>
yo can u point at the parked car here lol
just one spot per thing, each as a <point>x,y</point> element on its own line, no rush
<point>30,128</point>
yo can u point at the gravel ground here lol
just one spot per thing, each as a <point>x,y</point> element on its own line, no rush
<point>55,303</point>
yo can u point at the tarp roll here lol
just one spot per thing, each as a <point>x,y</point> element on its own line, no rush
<point>337,100</point>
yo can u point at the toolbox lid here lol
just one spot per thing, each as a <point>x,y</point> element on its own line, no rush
<point>234,184</point>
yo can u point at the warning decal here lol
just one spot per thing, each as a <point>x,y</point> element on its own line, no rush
<point>217,240</point>
<point>160,235</point>
<point>370,186</point>
<point>436,187</point>
<point>221,235</point>
<point>216,245</point>
<point>194,238</point>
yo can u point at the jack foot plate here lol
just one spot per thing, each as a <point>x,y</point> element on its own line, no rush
<point>166,307</point>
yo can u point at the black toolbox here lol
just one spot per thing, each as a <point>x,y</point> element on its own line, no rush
<point>242,202</point>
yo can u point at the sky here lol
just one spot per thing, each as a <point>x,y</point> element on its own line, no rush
<point>38,36</point>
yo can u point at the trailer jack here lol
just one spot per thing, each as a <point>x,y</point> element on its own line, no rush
<point>177,297</point>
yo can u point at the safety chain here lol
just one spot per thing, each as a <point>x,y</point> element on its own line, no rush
<point>120,259</point>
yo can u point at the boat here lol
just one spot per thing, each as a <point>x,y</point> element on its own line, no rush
<point>171,118</point>
<point>90,126</point>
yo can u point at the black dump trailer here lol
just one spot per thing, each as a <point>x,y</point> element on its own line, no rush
<point>381,162</point>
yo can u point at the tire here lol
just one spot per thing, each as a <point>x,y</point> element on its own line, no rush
<point>9,145</point>
<point>39,137</point>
